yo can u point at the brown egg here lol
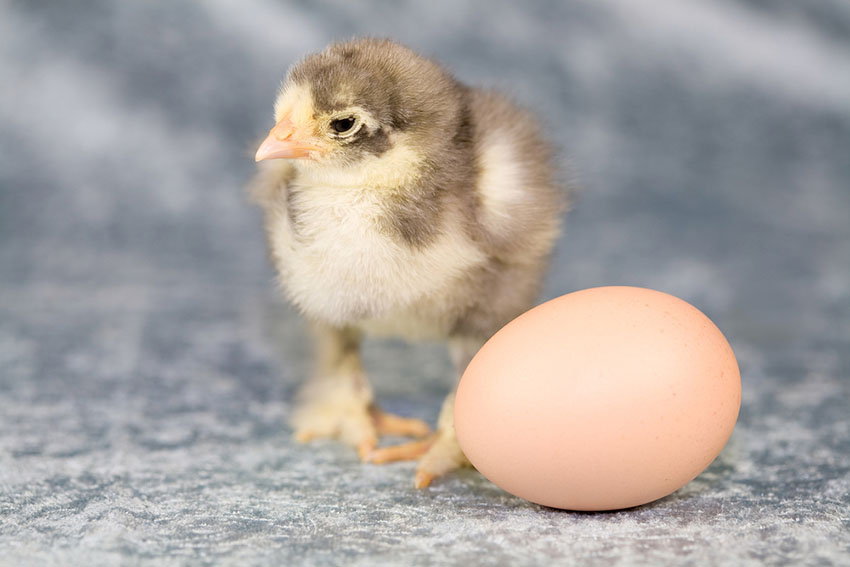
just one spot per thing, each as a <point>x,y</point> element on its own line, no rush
<point>601,399</point>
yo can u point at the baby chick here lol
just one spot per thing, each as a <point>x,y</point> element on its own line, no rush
<point>399,202</point>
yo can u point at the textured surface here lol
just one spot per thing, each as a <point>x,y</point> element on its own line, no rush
<point>146,364</point>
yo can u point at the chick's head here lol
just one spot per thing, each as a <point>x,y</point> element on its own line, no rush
<point>358,100</point>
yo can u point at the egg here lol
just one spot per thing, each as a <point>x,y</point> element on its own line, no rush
<point>601,399</point>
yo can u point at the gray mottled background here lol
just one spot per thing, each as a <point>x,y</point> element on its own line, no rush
<point>146,363</point>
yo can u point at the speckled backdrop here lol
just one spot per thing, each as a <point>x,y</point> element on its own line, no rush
<point>146,363</point>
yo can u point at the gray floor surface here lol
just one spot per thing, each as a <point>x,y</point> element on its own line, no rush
<point>146,363</point>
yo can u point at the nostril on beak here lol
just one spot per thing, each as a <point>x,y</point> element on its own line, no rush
<point>283,130</point>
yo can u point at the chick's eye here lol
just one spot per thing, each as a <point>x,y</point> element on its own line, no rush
<point>342,125</point>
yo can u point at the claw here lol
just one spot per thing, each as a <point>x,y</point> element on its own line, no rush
<point>304,436</point>
<point>422,479</point>
<point>365,449</point>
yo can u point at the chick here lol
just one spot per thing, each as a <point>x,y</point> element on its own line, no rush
<point>399,202</point>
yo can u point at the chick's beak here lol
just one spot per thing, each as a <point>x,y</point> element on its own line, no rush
<point>282,142</point>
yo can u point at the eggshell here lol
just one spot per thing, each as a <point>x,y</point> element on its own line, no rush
<point>601,399</point>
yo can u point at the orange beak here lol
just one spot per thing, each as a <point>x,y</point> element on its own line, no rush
<point>282,143</point>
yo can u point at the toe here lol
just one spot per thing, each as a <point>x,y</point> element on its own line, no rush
<point>391,424</point>
<point>404,452</point>
<point>350,422</point>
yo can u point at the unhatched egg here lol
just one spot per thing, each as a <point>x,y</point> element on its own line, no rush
<point>601,399</point>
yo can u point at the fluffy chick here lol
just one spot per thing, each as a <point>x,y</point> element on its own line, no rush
<point>399,202</point>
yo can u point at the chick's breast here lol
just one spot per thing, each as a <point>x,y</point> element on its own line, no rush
<point>338,263</point>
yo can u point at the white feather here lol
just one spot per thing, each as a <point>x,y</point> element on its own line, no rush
<point>501,184</point>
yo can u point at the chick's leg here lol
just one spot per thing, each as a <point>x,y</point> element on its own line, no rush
<point>335,402</point>
<point>439,453</point>
<point>338,401</point>
<point>445,454</point>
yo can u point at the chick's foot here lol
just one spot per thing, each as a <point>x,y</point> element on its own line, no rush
<point>340,413</point>
<point>437,454</point>
<point>347,421</point>
<point>443,456</point>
